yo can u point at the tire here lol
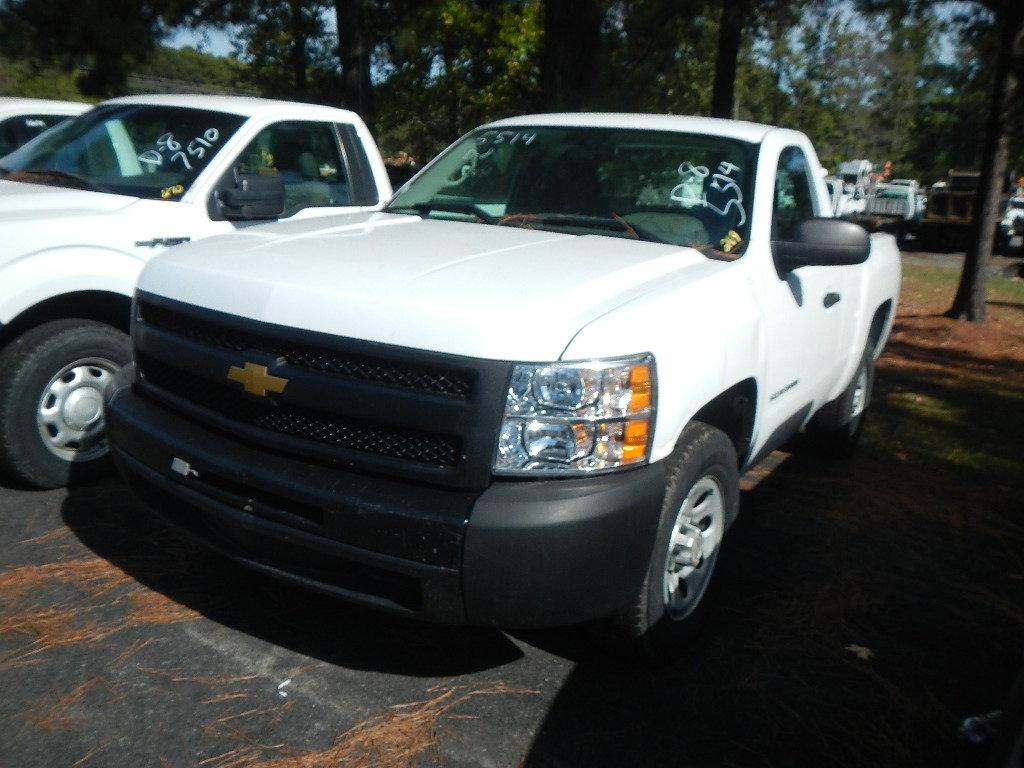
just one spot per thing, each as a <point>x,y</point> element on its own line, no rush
<point>835,430</point>
<point>51,383</point>
<point>702,469</point>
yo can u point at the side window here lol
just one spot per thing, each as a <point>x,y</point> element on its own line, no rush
<point>794,196</point>
<point>308,158</point>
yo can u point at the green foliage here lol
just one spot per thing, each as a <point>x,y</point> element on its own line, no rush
<point>19,78</point>
<point>862,78</point>
<point>188,65</point>
<point>453,64</point>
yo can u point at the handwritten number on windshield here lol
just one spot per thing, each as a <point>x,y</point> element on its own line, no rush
<point>168,145</point>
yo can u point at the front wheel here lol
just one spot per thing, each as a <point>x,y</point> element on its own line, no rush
<point>52,381</point>
<point>700,503</point>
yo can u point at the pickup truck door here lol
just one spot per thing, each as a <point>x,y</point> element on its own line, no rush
<point>323,165</point>
<point>805,312</point>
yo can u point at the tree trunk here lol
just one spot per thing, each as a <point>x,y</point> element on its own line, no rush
<point>730,36</point>
<point>570,53</point>
<point>354,49</point>
<point>969,302</point>
<point>298,52</point>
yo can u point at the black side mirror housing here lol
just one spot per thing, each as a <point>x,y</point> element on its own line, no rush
<point>254,197</point>
<point>822,242</point>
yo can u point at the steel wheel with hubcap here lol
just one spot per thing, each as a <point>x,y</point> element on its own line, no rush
<point>52,382</point>
<point>700,503</point>
<point>70,412</point>
<point>693,547</point>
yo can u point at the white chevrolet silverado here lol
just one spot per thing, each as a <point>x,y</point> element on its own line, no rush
<point>85,205</point>
<point>522,395</point>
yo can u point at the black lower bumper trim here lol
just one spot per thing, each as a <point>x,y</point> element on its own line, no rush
<point>520,554</point>
<point>363,577</point>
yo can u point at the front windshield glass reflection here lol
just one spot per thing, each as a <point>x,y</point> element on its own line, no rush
<point>130,149</point>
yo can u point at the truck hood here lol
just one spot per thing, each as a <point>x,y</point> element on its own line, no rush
<point>19,200</point>
<point>483,291</point>
<point>35,217</point>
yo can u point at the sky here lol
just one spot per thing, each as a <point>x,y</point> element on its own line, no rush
<point>212,40</point>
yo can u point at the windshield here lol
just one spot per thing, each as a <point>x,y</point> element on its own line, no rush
<point>659,186</point>
<point>140,150</point>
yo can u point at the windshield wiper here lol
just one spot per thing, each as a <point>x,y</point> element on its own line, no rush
<point>83,182</point>
<point>449,206</point>
<point>613,222</point>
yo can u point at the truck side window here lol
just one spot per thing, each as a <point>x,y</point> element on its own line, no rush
<point>794,197</point>
<point>308,158</point>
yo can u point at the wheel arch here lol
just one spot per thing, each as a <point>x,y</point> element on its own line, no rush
<point>881,321</point>
<point>733,411</point>
<point>108,307</point>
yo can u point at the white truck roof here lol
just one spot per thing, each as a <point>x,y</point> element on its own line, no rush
<point>53,106</point>
<point>712,126</point>
<point>249,106</point>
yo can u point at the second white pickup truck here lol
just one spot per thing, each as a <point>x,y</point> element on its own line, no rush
<point>85,205</point>
<point>523,394</point>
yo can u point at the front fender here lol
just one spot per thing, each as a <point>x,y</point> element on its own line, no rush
<point>39,276</point>
<point>702,332</point>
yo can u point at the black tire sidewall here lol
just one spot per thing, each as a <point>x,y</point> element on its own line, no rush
<point>701,451</point>
<point>832,430</point>
<point>26,366</point>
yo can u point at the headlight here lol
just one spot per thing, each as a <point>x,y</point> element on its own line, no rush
<point>577,417</point>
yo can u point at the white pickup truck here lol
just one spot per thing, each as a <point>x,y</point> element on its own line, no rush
<point>84,206</point>
<point>522,395</point>
<point>22,119</point>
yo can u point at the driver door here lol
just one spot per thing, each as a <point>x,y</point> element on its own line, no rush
<point>804,308</point>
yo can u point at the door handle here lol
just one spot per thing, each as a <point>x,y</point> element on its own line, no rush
<point>831,298</point>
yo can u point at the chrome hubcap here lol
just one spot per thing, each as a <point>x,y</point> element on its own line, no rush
<point>70,411</point>
<point>693,547</point>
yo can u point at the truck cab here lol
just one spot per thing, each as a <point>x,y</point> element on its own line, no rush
<point>85,205</point>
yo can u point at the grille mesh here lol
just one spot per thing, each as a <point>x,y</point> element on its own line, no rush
<point>311,358</point>
<point>328,429</point>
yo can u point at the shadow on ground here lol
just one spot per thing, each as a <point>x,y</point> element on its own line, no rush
<point>108,521</point>
<point>861,609</point>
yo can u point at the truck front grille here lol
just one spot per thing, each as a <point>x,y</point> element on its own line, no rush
<point>304,423</point>
<point>413,414</point>
<point>887,207</point>
<point>310,358</point>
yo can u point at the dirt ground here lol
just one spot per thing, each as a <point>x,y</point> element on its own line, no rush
<point>861,609</point>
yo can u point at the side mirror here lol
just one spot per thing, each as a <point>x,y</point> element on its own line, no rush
<point>822,242</point>
<point>254,197</point>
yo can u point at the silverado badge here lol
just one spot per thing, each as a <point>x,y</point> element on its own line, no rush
<point>255,379</point>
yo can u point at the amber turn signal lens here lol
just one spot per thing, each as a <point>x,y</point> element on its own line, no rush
<point>634,444</point>
<point>640,384</point>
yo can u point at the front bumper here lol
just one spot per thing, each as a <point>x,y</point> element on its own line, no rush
<point>515,554</point>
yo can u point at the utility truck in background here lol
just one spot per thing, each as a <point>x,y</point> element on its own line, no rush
<point>856,177</point>
<point>522,394</point>
<point>85,205</point>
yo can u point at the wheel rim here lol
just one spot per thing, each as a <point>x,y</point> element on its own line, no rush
<point>860,394</point>
<point>693,547</point>
<point>70,410</point>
